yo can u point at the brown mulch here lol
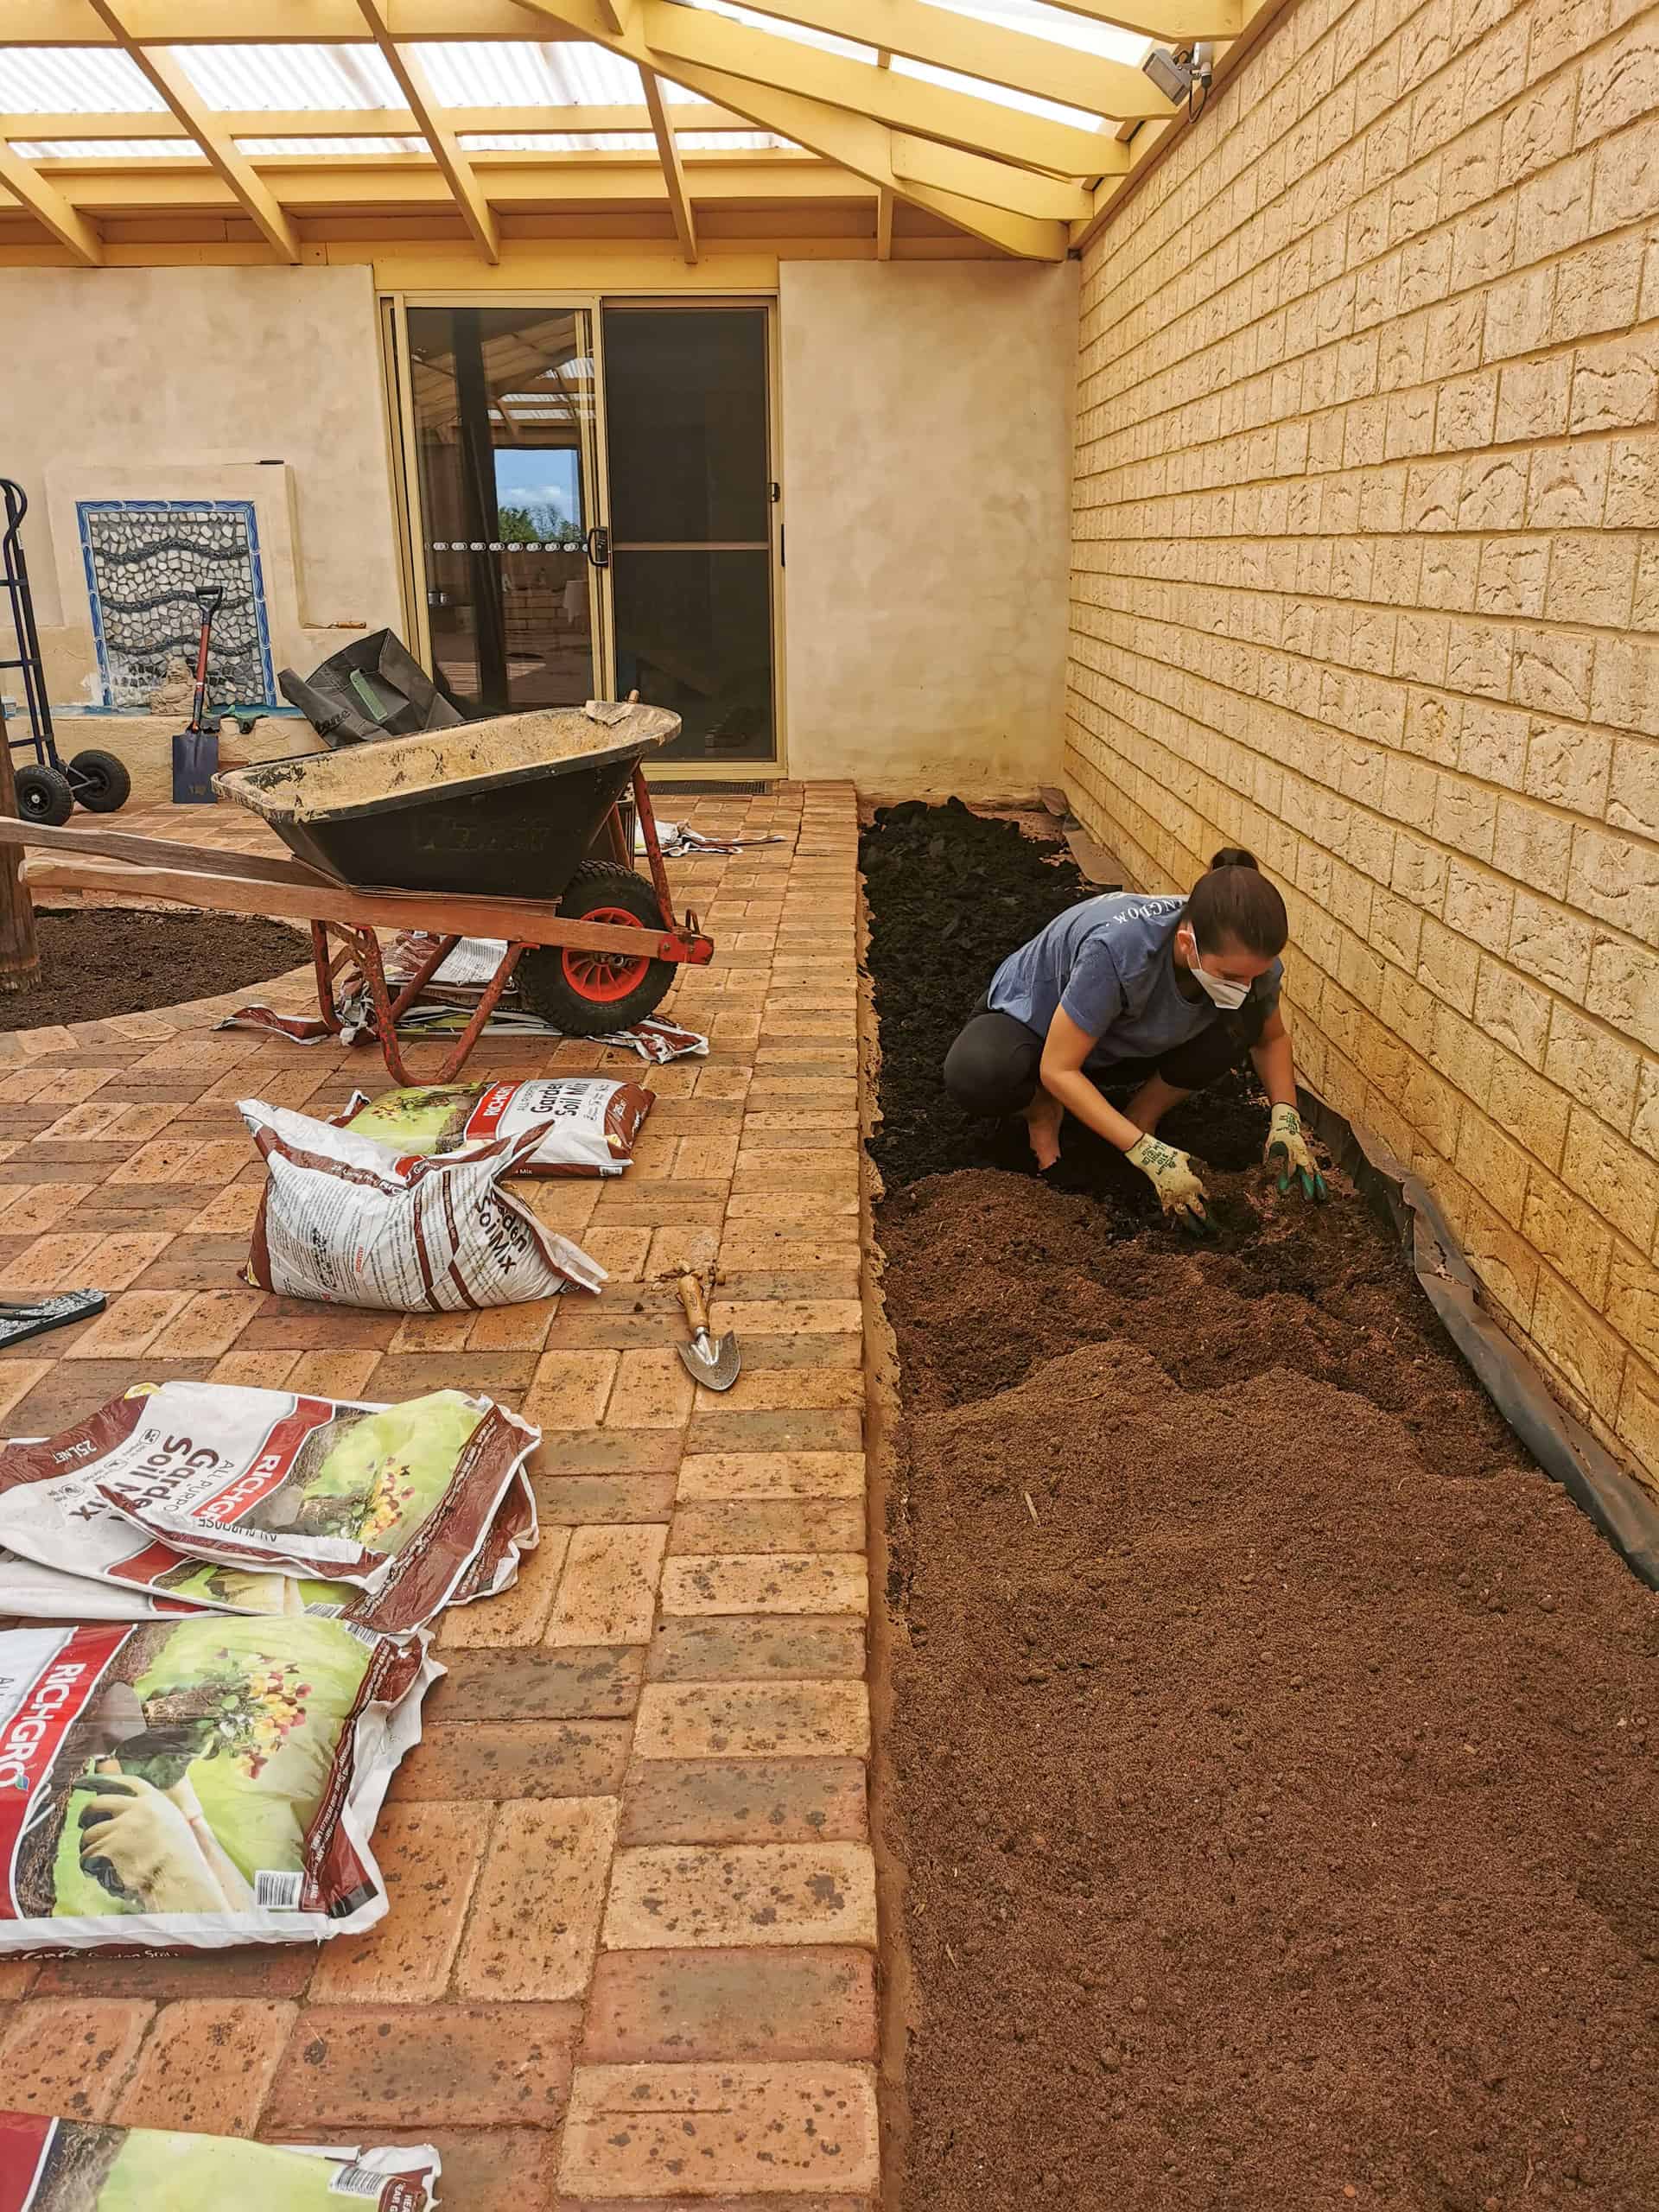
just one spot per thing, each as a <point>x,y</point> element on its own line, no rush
<point>99,960</point>
<point>1273,1743</point>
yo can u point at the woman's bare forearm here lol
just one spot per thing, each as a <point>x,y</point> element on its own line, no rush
<point>1275,1063</point>
<point>1080,1097</point>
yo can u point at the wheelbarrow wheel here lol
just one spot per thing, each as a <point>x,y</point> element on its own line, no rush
<point>592,993</point>
<point>99,781</point>
<point>43,795</point>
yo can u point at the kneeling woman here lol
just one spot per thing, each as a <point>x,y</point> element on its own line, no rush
<point>1164,994</point>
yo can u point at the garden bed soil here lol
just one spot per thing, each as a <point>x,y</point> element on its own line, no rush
<point>99,961</point>
<point>1274,1751</point>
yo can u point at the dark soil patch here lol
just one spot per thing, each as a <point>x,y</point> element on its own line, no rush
<point>97,961</point>
<point>1272,1755</point>
<point>951,893</point>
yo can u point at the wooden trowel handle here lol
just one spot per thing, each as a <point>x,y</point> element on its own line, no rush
<point>696,1310</point>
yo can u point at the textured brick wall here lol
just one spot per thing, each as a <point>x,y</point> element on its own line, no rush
<point>1366,574</point>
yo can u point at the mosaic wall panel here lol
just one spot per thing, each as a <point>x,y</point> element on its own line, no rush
<point>145,559</point>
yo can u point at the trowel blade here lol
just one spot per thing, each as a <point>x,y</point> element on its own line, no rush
<point>711,1361</point>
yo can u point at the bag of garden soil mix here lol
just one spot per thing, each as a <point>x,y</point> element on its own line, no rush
<point>66,2165</point>
<point>33,1593</point>
<point>196,1785</point>
<point>590,1121</point>
<point>58,1539</point>
<point>344,1221</point>
<point>267,1503</point>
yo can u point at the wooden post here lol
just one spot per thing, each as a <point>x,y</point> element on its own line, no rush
<point>20,954</point>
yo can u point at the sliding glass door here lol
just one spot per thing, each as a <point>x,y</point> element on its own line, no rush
<point>686,392</point>
<point>504,407</point>
<point>593,511</point>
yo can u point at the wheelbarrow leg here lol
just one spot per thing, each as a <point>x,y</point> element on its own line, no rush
<point>653,848</point>
<point>489,999</point>
<point>422,975</point>
<point>325,974</point>
<point>367,946</point>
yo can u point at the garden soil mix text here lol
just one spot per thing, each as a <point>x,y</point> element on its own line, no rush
<point>1273,1759</point>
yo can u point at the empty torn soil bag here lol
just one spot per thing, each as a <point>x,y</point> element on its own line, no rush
<point>397,1502</point>
<point>265,1502</point>
<point>589,1121</point>
<point>64,2166</point>
<point>346,1222</point>
<point>200,1784</point>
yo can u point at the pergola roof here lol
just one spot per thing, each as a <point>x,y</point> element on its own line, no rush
<point>1013,121</point>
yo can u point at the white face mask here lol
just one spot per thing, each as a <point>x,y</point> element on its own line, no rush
<point>1229,996</point>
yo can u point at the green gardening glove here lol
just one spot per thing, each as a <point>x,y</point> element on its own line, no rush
<point>1286,1150</point>
<point>1171,1174</point>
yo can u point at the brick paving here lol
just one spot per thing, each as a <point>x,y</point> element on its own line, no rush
<point>630,1958</point>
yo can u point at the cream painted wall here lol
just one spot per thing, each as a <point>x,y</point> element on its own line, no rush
<point>927,424</point>
<point>144,367</point>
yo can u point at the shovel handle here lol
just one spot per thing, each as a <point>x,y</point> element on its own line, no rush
<point>692,1297</point>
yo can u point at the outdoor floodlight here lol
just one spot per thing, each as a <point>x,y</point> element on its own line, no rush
<point>1175,71</point>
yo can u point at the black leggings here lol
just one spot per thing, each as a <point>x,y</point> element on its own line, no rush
<point>992,1067</point>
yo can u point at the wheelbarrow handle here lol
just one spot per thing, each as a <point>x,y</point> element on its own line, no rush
<point>696,1309</point>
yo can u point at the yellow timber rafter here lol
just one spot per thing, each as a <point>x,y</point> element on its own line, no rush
<point>676,35</point>
<point>186,103</point>
<point>973,47</point>
<point>668,152</point>
<point>438,132</point>
<point>851,138</point>
<point>67,224</point>
<point>1029,183</point>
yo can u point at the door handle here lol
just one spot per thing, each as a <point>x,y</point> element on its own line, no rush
<point>599,546</point>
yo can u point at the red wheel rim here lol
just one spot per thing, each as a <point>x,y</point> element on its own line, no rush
<point>604,977</point>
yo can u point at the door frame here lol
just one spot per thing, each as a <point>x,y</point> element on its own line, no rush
<point>392,322</point>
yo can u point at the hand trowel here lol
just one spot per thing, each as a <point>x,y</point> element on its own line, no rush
<point>714,1362</point>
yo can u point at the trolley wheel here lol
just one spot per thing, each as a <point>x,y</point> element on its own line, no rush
<point>43,795</point>
<point>99,782</point>
<point>592,993</point>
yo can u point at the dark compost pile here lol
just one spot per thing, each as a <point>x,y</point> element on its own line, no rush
<point>1274,1748</point>
<point>97,961</point>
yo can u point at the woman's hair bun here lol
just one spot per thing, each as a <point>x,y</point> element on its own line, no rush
<point>1233,856</point>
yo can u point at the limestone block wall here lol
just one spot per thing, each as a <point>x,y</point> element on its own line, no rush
<point>1366,576</point>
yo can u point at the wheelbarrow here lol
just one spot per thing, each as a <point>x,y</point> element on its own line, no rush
<point>511,828</point>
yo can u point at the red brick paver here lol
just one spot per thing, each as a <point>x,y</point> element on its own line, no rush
<point>630,1957</point>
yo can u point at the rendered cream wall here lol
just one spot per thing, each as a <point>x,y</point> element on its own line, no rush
<point>927,444</point>
<point>1366,574</point>
<point>139,367</point>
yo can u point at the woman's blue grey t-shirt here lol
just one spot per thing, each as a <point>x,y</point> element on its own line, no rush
<point>1108,961</point>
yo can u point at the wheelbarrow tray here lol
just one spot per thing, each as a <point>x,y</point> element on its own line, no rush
<point>507,808</point>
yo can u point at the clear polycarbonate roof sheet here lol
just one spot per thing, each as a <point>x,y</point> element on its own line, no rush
<point>528,72</point>
<point>328,148</point>
<point>1080,33</point>
<point>801,34</point>
<point>73,81</point>
<point>1004,95</point>
<point>108,150</point>
<point>557,142</point>
<point>290,76</point>
<point>617,141</point>
<point>733,141</point>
